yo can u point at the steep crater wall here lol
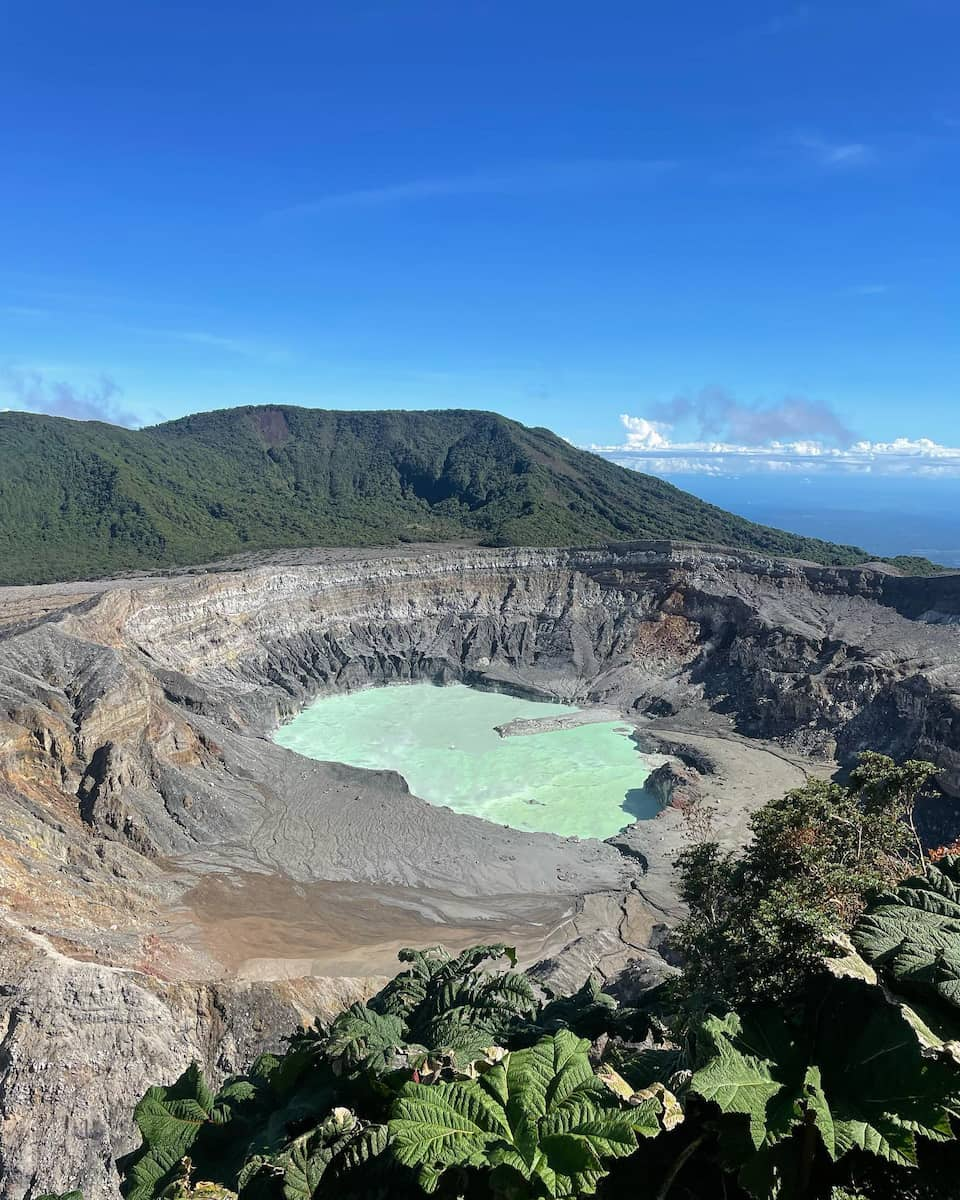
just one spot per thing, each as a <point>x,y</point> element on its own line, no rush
<point>827,660</point>
<point>119,698</point>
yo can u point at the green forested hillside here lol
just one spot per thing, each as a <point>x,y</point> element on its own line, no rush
<point>86,499</point>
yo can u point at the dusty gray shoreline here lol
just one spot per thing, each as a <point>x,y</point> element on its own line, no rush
<point>737,776</point>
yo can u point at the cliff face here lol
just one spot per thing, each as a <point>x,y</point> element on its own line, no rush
<point>135,762</point>
<point>81,1040</point>
<point>822,658</point>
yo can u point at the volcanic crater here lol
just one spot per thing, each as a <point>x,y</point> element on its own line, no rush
<point>176,885</point>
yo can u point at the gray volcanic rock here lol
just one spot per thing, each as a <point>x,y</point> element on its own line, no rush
<point>645,971</point>
<point>81,1041</point>
<point>674,784</point>
<point>529,726</point>
<point>135,763</point>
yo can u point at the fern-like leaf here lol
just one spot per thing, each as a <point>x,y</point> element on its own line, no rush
<point>912,935</point>
<point>363,1040</point>
<point>539,1114</point>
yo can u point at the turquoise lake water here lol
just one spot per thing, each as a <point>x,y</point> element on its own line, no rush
<point>586,781</point>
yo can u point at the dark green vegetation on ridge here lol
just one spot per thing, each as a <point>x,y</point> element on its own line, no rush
<point>85,499</point>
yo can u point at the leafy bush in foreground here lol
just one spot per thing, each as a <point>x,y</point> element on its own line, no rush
<point>847,1072</point>
<point>538,1117</point>
<point>913,935</point>
<point>773,1101</point>
<point>840,1083</point>
<point>760,924</point>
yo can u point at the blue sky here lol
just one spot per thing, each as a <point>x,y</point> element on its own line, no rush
<point>736,223</point>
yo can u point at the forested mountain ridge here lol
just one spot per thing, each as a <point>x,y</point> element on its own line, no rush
<point>86,499</point>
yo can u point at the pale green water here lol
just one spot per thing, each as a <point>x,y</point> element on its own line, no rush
<point>586,781</point>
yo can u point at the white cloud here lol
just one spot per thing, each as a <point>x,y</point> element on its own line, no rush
<point>835,154</point>
<point>648,447</point>
<point>643,434</point>
<point>522,180</point>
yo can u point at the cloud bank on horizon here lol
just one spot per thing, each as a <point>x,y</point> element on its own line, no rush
<point>31,391</point>
<point>796,435</point>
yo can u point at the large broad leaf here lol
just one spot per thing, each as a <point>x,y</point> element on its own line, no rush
<point>290,1095</point>
<point>851,1067</point>
<point>539,1114</point>
<point>170,1120</point>
<point>450,1003</point>
<point>734,1078</point>
<point>589,1012</point>
<point>363,1040</point>
<point>435,965</point>
<point>253,1115</point>
<point>818,1111</point>
<point>442,1006</point>
<point>326,1156</point>
<point>912,935</point>
<point>882,1089</point>
<point>468,1013</point>
<point>449,1124</point>
<point>780,1168</point>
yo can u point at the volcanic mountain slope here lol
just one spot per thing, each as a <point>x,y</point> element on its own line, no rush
<point>80,500</point>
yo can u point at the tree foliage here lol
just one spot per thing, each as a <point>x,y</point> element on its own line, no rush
<point>760,924</point>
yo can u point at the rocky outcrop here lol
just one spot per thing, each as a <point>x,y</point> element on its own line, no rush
<point>135,762</point>
<point>80,1040</point>
<point>674,785</point>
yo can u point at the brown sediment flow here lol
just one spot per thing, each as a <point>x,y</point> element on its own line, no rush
<point>260,926</point>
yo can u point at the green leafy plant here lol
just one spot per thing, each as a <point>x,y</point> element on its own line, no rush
<point>590,1011</point>
<point>263,1128</point>
<point>783,1065</point>
<point>760,924</point>
<point>331,1155</point>
<point>363,1040</point>
<point>912,936</point>
<point>448,1001</point>
<point>169,1120</point>
<point>250,1115</point>
<point>540,1121</point>
<point>844,1072</point>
